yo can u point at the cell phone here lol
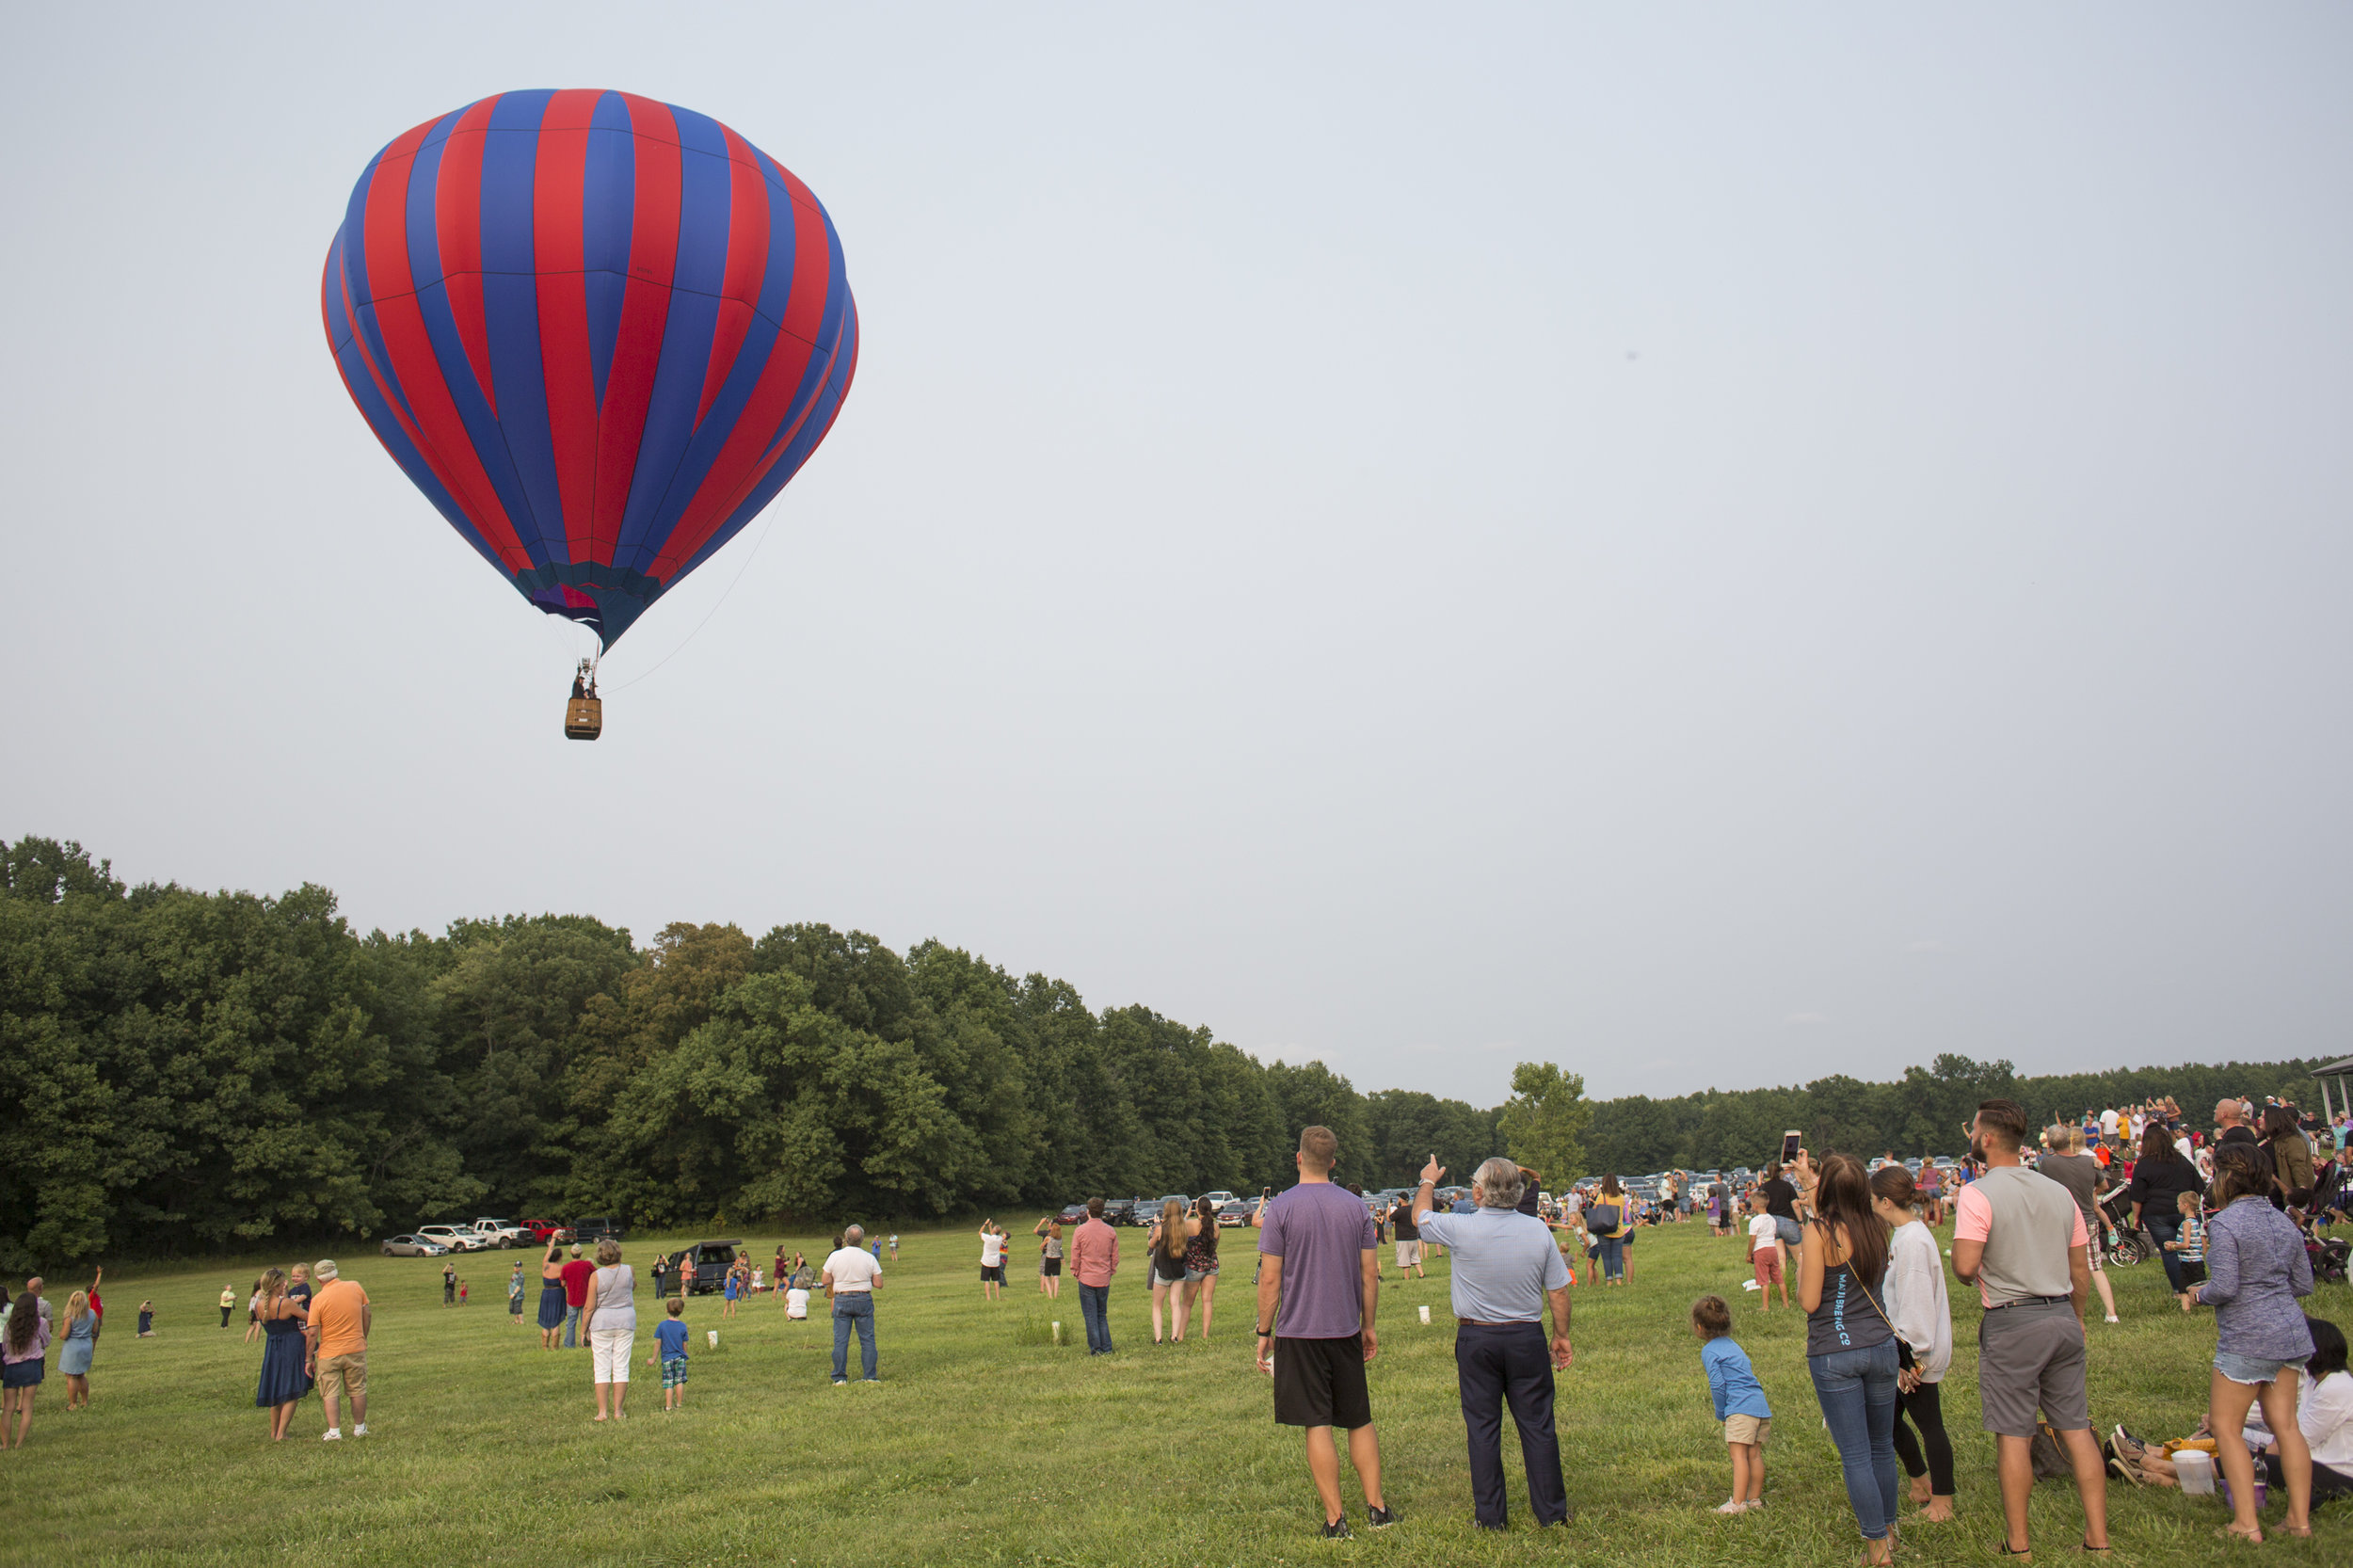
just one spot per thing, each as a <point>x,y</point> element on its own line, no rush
<point>1789,1145</point>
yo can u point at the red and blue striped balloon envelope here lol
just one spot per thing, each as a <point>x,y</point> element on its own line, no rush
<point>597,332</point>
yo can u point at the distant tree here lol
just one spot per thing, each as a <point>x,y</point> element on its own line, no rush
<point>1542,1124</point>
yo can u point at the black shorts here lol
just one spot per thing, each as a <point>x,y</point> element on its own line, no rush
<point>992,1273</point>
<point>1050,1266</point>
<point>2193,1273</point>
<point>1321,1383</point>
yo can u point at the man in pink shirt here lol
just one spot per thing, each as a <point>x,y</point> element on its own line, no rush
<point>1094,1258</point>
<point>2019,1237</point>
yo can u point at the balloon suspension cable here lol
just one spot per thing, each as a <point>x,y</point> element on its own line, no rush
<point>766,529</point>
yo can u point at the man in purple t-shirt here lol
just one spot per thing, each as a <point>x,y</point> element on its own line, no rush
<point>1318,1287</point>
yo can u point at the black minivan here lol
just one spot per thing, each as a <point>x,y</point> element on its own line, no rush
<point>713,1259</point>
<point>589,1232</point>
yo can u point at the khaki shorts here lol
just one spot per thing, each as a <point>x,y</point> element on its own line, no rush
<point>1748,1429</point>
<point>1408,1254</point>
<point>339,1374</point>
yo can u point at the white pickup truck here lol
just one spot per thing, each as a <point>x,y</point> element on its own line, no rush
<point>498,1233</point>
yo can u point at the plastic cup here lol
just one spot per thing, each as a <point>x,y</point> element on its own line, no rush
<point>1425,1312</point>
<point>2196,1468</point>
<point>713,1335</point>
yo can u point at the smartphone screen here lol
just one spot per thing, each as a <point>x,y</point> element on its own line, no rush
<point>1789,1145</point>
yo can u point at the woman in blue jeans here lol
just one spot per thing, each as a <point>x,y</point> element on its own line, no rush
<point>1606,1220</point>
<point>1849,1347</point>
<point>2160,1176</point>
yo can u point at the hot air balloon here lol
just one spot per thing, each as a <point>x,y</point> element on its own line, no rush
<point>597,332</point>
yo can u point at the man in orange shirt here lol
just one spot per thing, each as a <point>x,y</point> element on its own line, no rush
<point>338,1331</point>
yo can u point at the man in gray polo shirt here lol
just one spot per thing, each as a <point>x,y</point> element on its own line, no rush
<point>2020,1239</point>
<point>1505,1268</point>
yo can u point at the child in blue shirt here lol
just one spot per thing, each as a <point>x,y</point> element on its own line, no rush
<point>1739,1403</point>
<point>2190,1251</point>
<point>671,1341</point>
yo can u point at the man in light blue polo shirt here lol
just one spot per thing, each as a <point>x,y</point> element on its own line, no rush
<point>1505,1268</point>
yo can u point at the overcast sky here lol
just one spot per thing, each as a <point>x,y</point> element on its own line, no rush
<point>1712,545</point>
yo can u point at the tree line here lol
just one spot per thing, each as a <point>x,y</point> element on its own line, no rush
<point>192,1072</point>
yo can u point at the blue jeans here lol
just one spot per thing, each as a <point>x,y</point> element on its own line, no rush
<point>856,1306</point>
<point>2166,1227</point>
<point>1858,1393</point>
<point>1611,1257</point>
<point>571,1327</point>
<point>1095,1304</point>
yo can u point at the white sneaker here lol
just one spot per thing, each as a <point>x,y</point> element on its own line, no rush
<point>1754,1502</point>
<point>360,1431</point>
<point>1735,1505</point>
<point>334,1434</point>
<point>2112,1318</point>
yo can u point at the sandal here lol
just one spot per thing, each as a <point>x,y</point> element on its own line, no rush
<point>2086,1546</point>
<point>2232,1533</point>
<point>2001,1548</point>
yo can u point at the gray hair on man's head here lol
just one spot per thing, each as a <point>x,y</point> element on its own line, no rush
<point>1498,1183</point>
<point>853,1235</point>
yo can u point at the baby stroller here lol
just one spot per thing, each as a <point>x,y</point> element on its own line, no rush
<point>2329,1258</point>
<point>2126,1246</point>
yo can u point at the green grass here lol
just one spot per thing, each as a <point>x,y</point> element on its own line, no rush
<point>986,1443</point>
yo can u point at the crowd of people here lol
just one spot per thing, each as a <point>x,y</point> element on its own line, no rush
<point>2036,1215</point>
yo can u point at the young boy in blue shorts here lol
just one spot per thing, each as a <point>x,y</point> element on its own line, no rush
<point>1739,1401</point>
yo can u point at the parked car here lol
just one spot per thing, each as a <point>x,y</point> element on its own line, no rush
<point>1073,1214</point>
<point>590,1231</point>
<point>711,1261</point>
<point>499,1233</point>
<point>1232,1212</point>
<point>454,1237</point>
<point>541,1232</point>
<point>411,1246</point>
<point>1118,1211</point>
<point>1221,1197</point>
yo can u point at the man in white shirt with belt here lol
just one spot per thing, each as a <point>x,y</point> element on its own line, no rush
<point>1506,1268</point>
<point>850,1278</point>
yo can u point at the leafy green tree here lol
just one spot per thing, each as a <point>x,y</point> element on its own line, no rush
<point>1542,1124</point>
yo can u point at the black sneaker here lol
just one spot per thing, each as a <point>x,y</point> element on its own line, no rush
<point>1337,1529</point>
<point>1380,1518</point>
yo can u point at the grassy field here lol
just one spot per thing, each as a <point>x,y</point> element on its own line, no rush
<point>984,1446</point>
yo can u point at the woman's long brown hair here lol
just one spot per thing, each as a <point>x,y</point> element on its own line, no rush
<point>1173,1230</point>
<point>1842,1201</point>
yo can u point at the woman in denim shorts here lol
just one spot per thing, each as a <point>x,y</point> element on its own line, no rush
<point>1201,1262</point>
<point>2256,1268</point>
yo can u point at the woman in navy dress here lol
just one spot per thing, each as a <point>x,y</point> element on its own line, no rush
<point>552,1304</point>
<point>283,1352</point>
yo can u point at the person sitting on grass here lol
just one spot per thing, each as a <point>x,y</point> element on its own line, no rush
<point>1739,1401</point>
<point>2324,1417</point>
<point>670,1350</point>
<point>147,1319</point>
